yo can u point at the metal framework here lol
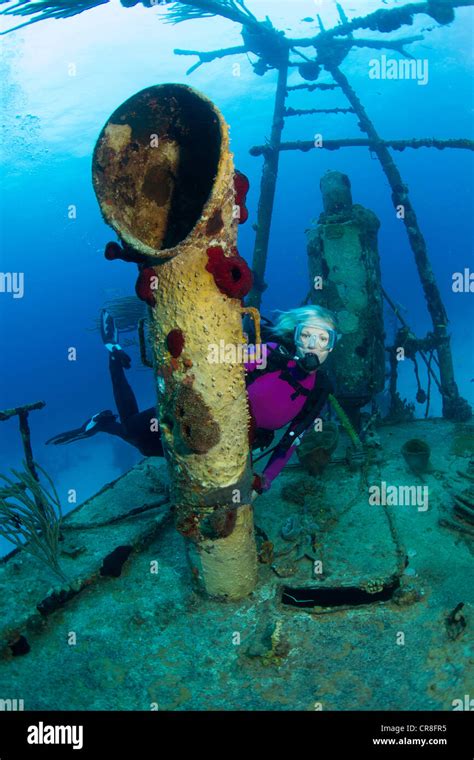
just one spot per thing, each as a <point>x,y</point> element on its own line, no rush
<point>328,49</point>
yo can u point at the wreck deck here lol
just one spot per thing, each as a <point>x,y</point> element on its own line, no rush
<point>145,640</point>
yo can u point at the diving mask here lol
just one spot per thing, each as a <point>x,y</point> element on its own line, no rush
<point>304,343</point>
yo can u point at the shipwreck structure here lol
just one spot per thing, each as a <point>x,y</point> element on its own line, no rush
<point>343,249</point>
<point>319,548</point>
<point>326,51</point>
<point>270,49</point>
<point>194,283</point>
<point>164,177</point>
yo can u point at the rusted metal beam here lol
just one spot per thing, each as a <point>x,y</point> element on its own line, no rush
<point>361,142</point>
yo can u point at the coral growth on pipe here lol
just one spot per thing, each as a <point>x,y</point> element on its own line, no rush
<point>241,186</point>
<point>231,273</point>
<point>166,183</point>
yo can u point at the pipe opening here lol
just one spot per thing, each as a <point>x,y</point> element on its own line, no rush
<point>113,563</point>
<point>155,164</point>
<point>20,646</point>
<point>339,596</point>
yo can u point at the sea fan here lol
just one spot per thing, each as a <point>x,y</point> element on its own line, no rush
<point>30,517</point>
<point>235,10</point>
<point>186,10</point>
<point>39,11</point>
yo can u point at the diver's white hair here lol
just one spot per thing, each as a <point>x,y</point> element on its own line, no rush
<point>288,320</point>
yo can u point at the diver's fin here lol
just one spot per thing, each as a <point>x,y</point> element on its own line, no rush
<point>109,332</point>
<point>108,328</point>
<point>89,426</point>
<point>97,423</point>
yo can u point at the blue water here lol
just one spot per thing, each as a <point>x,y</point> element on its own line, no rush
<point>51,123</point>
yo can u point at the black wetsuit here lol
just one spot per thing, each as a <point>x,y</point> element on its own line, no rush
<point>134,426</point>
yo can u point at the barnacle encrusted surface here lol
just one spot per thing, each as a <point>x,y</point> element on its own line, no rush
<point>197,426</point>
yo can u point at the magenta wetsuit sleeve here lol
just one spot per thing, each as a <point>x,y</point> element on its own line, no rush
<point>276,463</point>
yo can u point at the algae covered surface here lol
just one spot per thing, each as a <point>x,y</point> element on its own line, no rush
<point>145,640</point>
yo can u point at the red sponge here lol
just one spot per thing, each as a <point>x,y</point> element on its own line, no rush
<point>231,273</point>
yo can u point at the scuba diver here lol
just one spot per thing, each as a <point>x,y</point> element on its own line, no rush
<point>290,390</point>
<point>134,426</point>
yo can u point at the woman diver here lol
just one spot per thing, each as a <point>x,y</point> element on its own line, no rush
<point>290,390</point>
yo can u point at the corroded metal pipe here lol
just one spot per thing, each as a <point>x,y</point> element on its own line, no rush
<point>164,177</point>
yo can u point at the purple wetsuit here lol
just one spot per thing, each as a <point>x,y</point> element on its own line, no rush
<point>273,405</point>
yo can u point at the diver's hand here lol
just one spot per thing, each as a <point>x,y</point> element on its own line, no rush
<point>257,484</point>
